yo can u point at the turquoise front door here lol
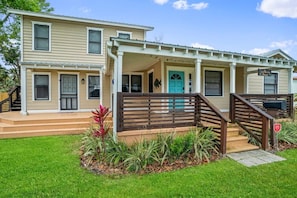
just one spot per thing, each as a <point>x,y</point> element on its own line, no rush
<point>176,85</point>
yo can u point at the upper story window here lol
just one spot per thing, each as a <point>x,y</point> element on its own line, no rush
<point>124,35</point>
<point>271,83</point>
<point>94,41</point>
<point>41,36</point>
<point>213,83</point>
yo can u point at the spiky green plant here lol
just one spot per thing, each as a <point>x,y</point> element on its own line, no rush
<point>288,134</point>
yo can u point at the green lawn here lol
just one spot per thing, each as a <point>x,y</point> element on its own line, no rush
<point>50,167</point>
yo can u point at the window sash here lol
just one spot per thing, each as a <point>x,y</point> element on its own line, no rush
<point>124,36</point>
<point>94,42</point>
<point>271,84</point>
<point>41,87</point>
<point>132,83</point>
<point>93,87</point>
<point>213,83</point>
<point>41,37</point>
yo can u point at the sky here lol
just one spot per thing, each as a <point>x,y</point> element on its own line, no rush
<point>245,26</point>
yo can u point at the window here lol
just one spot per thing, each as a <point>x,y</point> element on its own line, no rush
<point>41,87</point>
<point>41,37</point>
<point>94,41</point>
<point>134,86</point>
<point>93,87</point>
<point>213,83</point>
<point>270,83</point>
<point>124,35</point>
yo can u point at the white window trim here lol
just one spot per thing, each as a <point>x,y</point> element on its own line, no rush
<point>135,73</point>
<point>124,32</point>
<point>97,29</point>
<point>277,88</point>
<point>49,85</point>
<point>223,79</point>
<point>87,86</point>
<point>50,36</point>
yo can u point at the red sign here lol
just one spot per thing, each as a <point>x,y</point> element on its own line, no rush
<point>277,127</point>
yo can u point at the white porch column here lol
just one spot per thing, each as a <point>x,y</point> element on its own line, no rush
<point>24,90</point>
<point>232,77</point>
<point>198,76</point>
<point>290,79</point>
<point>120,70</point>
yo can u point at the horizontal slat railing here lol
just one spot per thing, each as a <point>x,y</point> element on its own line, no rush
<point>6,104</point>
<point>211,116</point>
<point>252,119</point>
<point>258,99</point>
<point>156,110</point>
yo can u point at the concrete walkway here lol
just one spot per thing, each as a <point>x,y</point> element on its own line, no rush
<point>255,157</point>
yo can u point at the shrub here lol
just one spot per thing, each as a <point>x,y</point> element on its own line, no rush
<point>141,155</point>
<point>164,143</point>
<point>116,152</point>
<point>288,134</point>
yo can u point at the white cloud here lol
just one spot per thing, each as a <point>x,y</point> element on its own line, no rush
<point>199,6</point>
<point>283,44</point>
<point>161,2</point>
<point>199,45</point>
<point>279,8</point>
<point>85,10</point>
<point>183,5</point>
<point>257,51</point>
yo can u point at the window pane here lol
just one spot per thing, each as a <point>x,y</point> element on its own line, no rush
<point>41,37</point>
<point>213,83</point>
<point>94,87</point>
<point>41,84</point>
<point>94,41</point>
<point>270,84</point>
<point>125,83</point>
<point>124,36</point>
<point>136,83</point>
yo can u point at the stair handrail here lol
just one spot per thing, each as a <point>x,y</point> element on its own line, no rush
<point>265,120</point>
<point>13,95</point>
<point>224,121</point>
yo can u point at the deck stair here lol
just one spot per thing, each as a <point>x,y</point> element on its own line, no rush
<point>237,142</point>
<point>14,125</point>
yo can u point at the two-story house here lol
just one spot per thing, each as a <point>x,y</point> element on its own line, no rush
<point>71,64</point>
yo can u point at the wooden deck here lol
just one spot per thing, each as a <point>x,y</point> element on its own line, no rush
<point>14,125</point>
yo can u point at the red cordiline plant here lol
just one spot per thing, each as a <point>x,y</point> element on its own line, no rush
<point>99,116</point>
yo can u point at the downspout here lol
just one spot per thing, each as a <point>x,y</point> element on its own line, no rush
<point>115,83</point>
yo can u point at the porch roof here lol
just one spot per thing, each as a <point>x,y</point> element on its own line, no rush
<point>186,52</point>
<point>63,66</point>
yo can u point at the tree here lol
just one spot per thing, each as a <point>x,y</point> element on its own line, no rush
<point>10,33</point>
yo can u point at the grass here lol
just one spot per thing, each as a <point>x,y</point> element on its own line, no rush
<point>50,167</point>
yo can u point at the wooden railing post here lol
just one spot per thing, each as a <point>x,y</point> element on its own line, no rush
<point>273,136</point>
<point>232,108</point>
<point>223,136</point>
<point>120,112</point>
<point>265,127</point>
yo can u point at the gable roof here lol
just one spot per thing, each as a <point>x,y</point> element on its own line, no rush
<point>278,53</point>
<point>78,19</point>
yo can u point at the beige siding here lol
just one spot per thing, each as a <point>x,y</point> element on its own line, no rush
<point>157,75</point>
<point>256,83</point>
<point>239,80</point>
<point>69,41</point>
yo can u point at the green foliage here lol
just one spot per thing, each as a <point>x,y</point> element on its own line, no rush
<point>10,32</point>
<point>116,152</point>
<point>164,144</point>
<point>140,155</point>
<point>288,134</point>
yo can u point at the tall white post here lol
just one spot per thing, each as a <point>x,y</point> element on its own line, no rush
<point>24,90</point>
<point>290,79</point>
<point>232,77</point>
<point>198,76</point>
<point>120,70</point>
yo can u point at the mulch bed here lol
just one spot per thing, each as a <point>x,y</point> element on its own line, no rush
<point>104,169</point>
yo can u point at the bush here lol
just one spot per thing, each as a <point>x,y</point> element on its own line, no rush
<point>288,134</point>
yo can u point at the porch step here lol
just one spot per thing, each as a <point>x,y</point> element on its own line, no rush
<point>237,142</point>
